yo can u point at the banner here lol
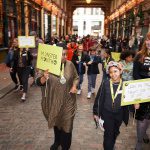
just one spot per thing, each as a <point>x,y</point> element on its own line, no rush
<point>115,56</point>
<point>49,57</point>
<point>136,91</point>
<point>26,41</point>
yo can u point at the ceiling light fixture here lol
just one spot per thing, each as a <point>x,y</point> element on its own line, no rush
<point>88,1</point>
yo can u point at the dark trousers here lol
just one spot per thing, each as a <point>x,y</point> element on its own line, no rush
<point>23,74</point>
<point>62,138</point>
<point>142,127</point>
<point>112,123</point>
<point>13,75</point>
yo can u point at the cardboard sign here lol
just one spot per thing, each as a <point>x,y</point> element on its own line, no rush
<point>115,56</point>
<point>26,41</point>
<point>49,57</point>
<point>136,91</point>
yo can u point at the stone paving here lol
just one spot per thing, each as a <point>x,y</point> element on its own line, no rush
<point>23,126</point>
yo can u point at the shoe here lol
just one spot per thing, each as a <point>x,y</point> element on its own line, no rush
<point>54,146</point>
<point>16,87</point>
<point>89,95</point>
<point>21,87</point>
<point>146,141</point>
<point>93,90</point>
<point>79,92</point>
<point>23,98</point>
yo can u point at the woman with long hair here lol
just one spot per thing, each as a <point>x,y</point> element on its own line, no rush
<point>141,70</point>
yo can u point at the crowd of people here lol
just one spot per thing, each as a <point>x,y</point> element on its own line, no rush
<point>81,56</point>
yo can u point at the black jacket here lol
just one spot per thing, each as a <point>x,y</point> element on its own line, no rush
<point>26,58</point>
<point>93,68</point>
<point>141,71</point>
<point>103,101</point>
<point>83,60</point>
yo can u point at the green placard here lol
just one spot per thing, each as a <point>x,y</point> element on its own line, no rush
<point>115,56</point>
<point>136,91</point>
<point>49,57</point>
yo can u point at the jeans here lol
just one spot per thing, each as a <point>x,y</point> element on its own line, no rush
<point>142,127</point>
<point>91,81</point>
<point>80,81</point>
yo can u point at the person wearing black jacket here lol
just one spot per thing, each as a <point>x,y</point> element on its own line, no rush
<point>79,60</point>
<point>107,105</point>
<point>22,62</point>
<point>141,70</point>
<point>9,62</point>
<point>93,70</point>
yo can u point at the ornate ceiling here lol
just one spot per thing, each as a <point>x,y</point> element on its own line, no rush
<point>104,4</point>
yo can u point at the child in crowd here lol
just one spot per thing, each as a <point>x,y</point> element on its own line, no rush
<point>106,59</point>
<point>108,105</point>
<point>92,63</point>
<point>126,58</point>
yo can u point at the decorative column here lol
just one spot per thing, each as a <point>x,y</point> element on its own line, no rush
<point>26,11</point>
<point>57,25</point>
<point>5,23</point>
<point>42,23</point>
<point>1,23</point>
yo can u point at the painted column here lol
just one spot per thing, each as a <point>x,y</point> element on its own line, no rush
<point>26,11</point>
<point>42,23</point>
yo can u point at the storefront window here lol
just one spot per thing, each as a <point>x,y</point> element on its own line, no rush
<point>1,24</point>
<point>54,25</point>
<point>10,10</point>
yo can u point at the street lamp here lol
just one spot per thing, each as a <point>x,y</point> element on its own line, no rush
<point>88,1</point>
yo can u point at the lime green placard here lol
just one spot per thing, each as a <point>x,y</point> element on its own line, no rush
<point>49,57</point>
<point>26,41</point>
<point>115,56</point>
<point>136,91</point>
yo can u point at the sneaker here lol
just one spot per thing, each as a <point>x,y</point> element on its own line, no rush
<point>79,92</point>
<point>16,87</point>
<point>93,90</point>
<point>89,95</point>
<point>55,146</point>
<point>23,98</point>
<point>21,87</point>
<point>146,140</point>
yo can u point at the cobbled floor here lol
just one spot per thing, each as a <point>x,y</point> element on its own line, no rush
<point>23,126</point>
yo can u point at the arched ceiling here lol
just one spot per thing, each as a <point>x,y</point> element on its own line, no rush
<point>103,4</point>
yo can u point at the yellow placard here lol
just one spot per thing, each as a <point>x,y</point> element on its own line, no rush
<point>115,56</point>
<point>49,57</point>
<point>26,41</point>
<point>136,91</point>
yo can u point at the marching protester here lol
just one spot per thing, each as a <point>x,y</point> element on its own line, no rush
<point>93,70</point>
<point>106,59</point>
<point>141,70</point>
<point>108,107</point>
<point>22,63</point>
<point>59,101</point>
<point>79,60</point>
<point>9,62</point>
<point>34,54</point>
<point>126,58</point>
<point>71,48</point>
